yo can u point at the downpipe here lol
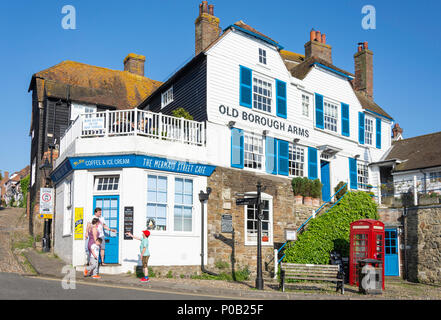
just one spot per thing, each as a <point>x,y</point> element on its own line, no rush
<point>203,197</point>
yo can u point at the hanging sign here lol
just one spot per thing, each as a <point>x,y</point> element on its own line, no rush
<point>79,218</point>
<point>246,201</point>
<point>93,123</point>
<point>46,203</point>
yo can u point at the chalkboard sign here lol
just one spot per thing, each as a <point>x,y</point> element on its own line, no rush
<point>227,223</point>
<point>128,222</point>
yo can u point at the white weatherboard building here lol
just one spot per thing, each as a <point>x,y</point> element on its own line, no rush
<point>257,109</point>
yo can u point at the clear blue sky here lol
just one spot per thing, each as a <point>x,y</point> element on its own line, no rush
<point>406,45</point>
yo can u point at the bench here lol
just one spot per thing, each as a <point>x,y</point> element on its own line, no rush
<point>314,272</point>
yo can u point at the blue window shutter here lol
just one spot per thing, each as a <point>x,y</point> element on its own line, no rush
<point>283,152</point>
<point>281,99</point>
<point>237,148</point>
<point>361,127</point>
<point>319,111</point>
<point>345,119</point>
<point>353,173</point>
<point>271,155</point>
<point>312,163</point>
<point>245,93</point>
<point>378,127</point>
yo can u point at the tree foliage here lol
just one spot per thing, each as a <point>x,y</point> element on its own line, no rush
<point>330,231</point>
<point>182,113</point>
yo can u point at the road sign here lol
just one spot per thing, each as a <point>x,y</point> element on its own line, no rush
<point>46,203</point>
<point>246,201</point>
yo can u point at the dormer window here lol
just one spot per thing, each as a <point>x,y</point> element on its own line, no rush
<point>262,56</point>
<point>167,97</point>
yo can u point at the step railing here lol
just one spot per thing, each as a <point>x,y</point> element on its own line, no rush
<point>276,254</point>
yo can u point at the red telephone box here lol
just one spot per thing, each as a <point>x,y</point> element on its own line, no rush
<point>366,242</point>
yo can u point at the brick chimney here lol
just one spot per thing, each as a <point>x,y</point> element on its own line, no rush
<point>317,47</point>
<point>206,27</point>
<point>397,132</point>
<point>134,63</point>
<point>364,70</point>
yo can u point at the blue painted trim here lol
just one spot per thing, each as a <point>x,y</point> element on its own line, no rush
<point>129,161</point>
<point>283,157</point>
<point>255,35</point>
<point>312,163</point>
<point>245,89</point>
<point>380,115</point>
<point>237,148</point>
<point>319,116</point>
<point>378,132</point>
<point>271,155</point>
<point>345,123</point>
<point>281,103</point>
<point>333,70</point>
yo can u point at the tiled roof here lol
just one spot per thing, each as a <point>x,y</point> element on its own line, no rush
<point>243,25</point>
<point>417,152</point>
<point>370,105</point>
<point>93,84</point>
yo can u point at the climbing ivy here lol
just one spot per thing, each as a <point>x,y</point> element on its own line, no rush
<point>330,231</point>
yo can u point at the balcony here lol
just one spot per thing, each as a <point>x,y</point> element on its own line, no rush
<point>132,130</point>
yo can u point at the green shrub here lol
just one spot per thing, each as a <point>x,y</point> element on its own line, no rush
<point>316,188</point>
<point>306,187</point>
<point>297,186</point>
<point>182,113</point>
<point>330,231</point>
<point>342,191</point>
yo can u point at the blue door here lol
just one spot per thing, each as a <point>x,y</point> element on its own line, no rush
<point>391,266</point>
<point>326,188</point>
<point>110,211</point>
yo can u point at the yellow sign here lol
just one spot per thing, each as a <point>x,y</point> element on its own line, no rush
<point>78,223</point>
<point>46,216</point>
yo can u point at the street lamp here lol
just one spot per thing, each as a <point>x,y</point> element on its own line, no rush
<point>203,196</point>
<point>259,278</point>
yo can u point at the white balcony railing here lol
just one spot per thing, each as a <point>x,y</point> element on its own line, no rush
<point>134,122</point>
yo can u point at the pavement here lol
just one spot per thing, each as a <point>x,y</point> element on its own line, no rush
<point>47,266</point>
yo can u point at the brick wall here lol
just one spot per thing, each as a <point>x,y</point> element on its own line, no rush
<point>225,183</point>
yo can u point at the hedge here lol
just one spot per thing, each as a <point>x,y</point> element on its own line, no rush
<point>330,231</point>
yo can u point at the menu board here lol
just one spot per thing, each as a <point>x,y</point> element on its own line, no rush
<point>128,222</point>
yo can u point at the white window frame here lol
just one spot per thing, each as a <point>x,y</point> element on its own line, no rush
<point>257,154</point>
<point>326,114</point>
<point>362,179</point>
<point>269,98</point>
<point>306,105</point>
<point>369,130</point>
<point>167,220</point>
<point>183,205</point>
<point>77,109</point>
<point>167,97</point>
<point>107,191</point>
<point>262,56</point>
<point>68,204</point>
<point>250,242</point>
<point>294,152</point>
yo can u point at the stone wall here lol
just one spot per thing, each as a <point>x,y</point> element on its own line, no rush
<point>423,230</point>
<point>225,183</point>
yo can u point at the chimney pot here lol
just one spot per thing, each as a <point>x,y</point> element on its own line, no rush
<point>206,29</point>
<point>365,45</point>
<point>200,8</point>
<point>312,35</point>
<point>205,6</point>
<point>211,9</point>
<point>364,70</point>
<point>318,36</point>
<point>324,38</point>
<point>360,48</point>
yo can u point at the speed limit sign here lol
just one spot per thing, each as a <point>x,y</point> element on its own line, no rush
<point>46,203</point>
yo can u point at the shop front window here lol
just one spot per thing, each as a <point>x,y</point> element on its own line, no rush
<point>156,203</point>
<point>252,222</point>
<point>183,209</point>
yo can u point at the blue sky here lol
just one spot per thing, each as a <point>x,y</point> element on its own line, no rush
<point>406,45</point>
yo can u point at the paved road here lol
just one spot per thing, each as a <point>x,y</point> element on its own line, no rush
<point>19,287</point>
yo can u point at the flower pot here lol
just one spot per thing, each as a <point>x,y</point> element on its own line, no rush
<point>298,199</point>
<point>316,202</point>
<point>307,201</point>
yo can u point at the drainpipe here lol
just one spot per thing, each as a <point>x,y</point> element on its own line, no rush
<point>203,196</point>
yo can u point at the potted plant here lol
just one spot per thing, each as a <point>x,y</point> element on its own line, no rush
<point>316,192</point>
<point>297,188</point>
<point>265,239</point>
<point>307,200</point>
